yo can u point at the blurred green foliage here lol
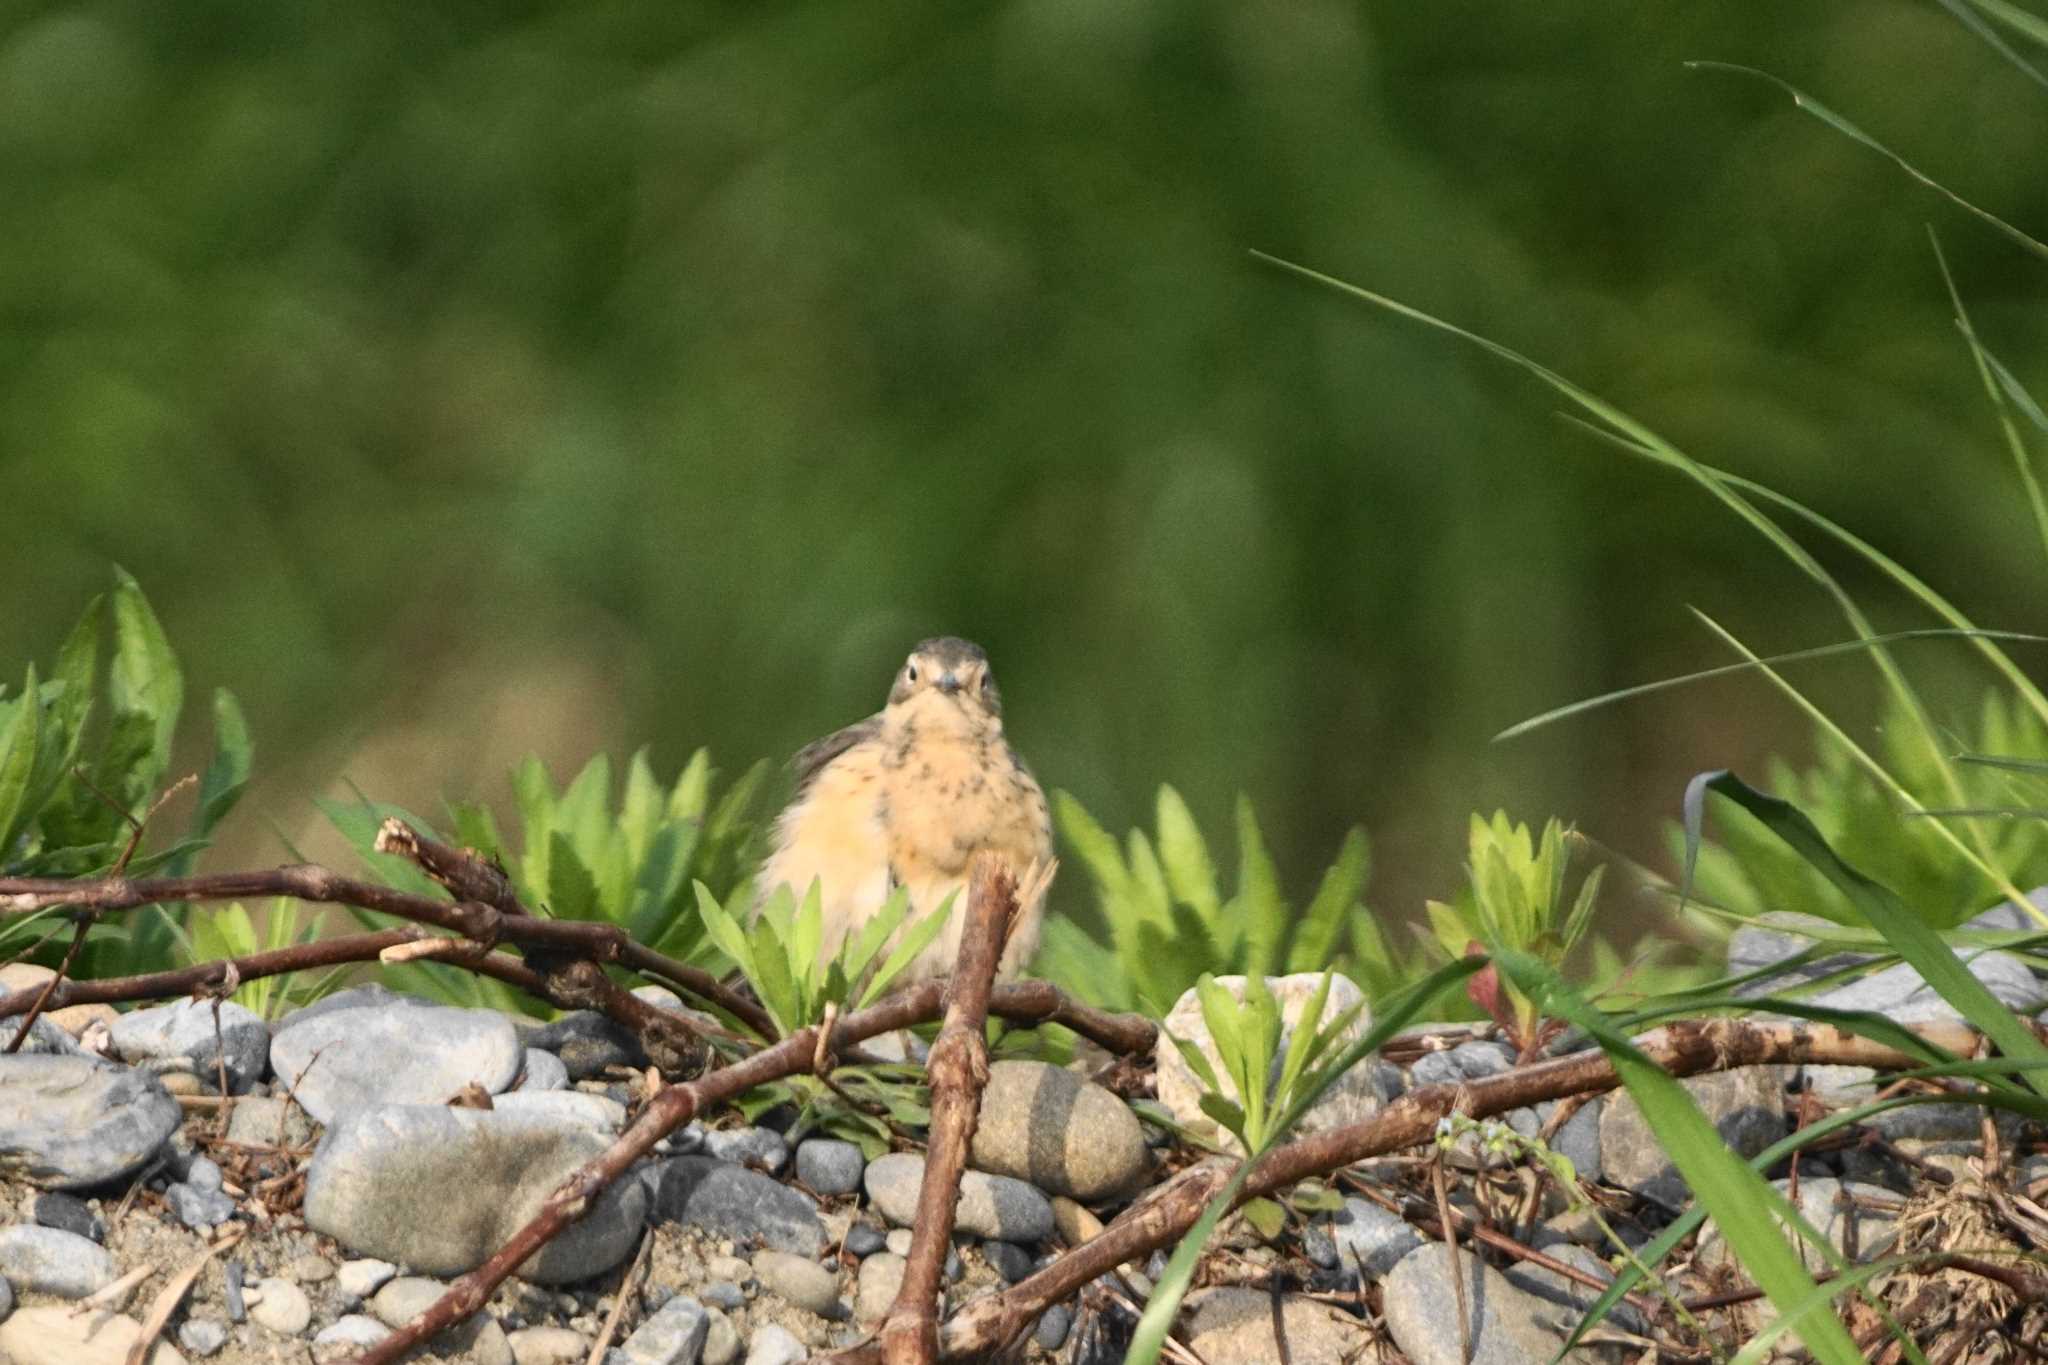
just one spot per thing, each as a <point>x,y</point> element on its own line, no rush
<point>466,380</point>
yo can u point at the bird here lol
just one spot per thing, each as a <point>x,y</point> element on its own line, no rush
<point>906,798</point>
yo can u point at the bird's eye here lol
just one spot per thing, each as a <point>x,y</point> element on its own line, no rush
<point>910,672</point>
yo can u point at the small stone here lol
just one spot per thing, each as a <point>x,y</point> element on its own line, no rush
<point>1850,1214</point>
<point>1571,1298</point>
<point>725,1294</point>
<point>1053,1325</point>
<point>1420,1301</point>
<point>282,1307</point>
<point>69,1122</point>
<point>405,1298</point>
<point>587,1042</point>
<point>899,1241</point>
<point>260,1121</point>
<point>38,1260</point>
<point>801,1281</point>
<point>762,1148</point>
<point>548,1346</point>
<point>1369,1240</point>
<point>829,1166</point>
<point>202,1336</point>
<point>862,1239</point>
<point>721,1340</point>
<point>57,1335</point>
<point>661,997</point>
<point>1010,1261</point>
<point>392,1055</point>
<point>881,1276</point>
<point>1354,1096</point>
<point>541,1072</point>
<point>732,1201</point>
<point>1236,1324</point>
<point>200,1210</point>
<point>1065,1135</point>
<point>1074,1223</point>
<point>1579,1139</point>
<point>362,1278</point>
<point>198,1034</point>
<point>773,1345</point>
<point>6,1298</point>
<point>488,1344</point>
<point>599,1113</point>
<point>673,1336</point>
<point>1320,1248</point>
<point>70,1213</point>
<point>990,1206</point>
<point>348,1335</point>
<point>440,1189</point>
<point>1746,1106</point>
<point>203,1174</point>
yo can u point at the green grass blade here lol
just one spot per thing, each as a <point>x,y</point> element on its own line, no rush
<point>1851,131</point>
<point>2023,22</point>
<point>1992,38</point>
<point>1908,934</point>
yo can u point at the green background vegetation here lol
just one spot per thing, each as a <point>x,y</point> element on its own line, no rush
<point>474,379</point>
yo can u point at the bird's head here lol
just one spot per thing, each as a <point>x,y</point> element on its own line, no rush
<point>951,673</point>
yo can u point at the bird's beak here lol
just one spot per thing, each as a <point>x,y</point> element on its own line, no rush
<point>947,683</point>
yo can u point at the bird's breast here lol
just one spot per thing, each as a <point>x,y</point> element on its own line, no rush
<point>947,796</point>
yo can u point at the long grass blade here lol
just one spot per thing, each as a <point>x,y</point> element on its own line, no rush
<point>1911,936</point>
<point>1851,131</point>
<point>1992,38</point>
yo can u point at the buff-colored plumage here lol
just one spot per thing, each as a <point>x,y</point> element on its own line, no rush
<point>906,798</point>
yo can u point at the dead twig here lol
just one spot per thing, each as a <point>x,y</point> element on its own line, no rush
<point>625,1292</point>
<point>958,1068</point>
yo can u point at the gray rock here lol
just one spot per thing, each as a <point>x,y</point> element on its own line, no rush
<point>542,1071</point>
<point>183,1035</point>
<point>1899,993</point>
<point>262,1121</point>
<point>282,1307</point>
<point>673,1335</point>
<point>397,1054</point>
<point>587,1042</point>
<point>1856,1218</point>
<point>899,1241</point>
<point>661,997</point>
<point>72,1214</point>
<point>773,1345</point>
<point>1010,1261</point>
<point>46,1039</point>
<point>348,1335</point>
<point>991,1206</point>
<point>401,1300</point>
<point>439,1189</point>
<point>1370,1240</point>
<point>1320,1248</point>
<point>725,1294</point>
<point>1053,1326</point>
<point>1579,1139</point>
<point>800,1281</point>
<point>1777,935</point>
<point>735,1202</point>
<point>722,1343</point>
<point>1746,1106</point>
<point>881,1278</point>
<point>830,1166</point>
<point>71,1122</point>
<point>1420,1301</point>
<point>203,1174</point>
<point>51,1261</point>
<point>202,1336</point>
<point>862,1239</point>
<point>1236,1324</point>
<point>1569,1298</point>
<point>361,1278</point>
<point>548,1346</point>
<point>599,1113</point>
<point>200,1210</point>
<point>1063,1134</point>
<point>372,995</point>
<point>1354,1096</point>
<point>762,1148</point>
<point>6,1299</point>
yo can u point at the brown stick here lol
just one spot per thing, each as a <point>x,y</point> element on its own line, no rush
<point>1686,1048</point>
<point>42,1001</point>
<point>958,1069</point>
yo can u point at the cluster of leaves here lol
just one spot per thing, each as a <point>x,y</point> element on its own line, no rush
<point>583,855</point>
<point>1515,899</point>
<point>1747,871</point>
<point>1170,921</point>
<point>83,758</point>
<point>211,933</point>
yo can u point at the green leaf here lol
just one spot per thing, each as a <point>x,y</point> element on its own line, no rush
<point>1259,905</point>
<point>226,776</point>
<point>692,791</point>
<point>725,931</point>
<point>1315,943</point>
<point>1185,856</point>
<point>919,936</point>
<point>1910,936</point>
<point>572,893</point>
<point>145,679</point>
<point>18,746</point>
<point>1266,1217</point>
<point>859,950</point>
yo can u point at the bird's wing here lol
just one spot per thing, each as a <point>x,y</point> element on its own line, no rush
<point>812,758</point>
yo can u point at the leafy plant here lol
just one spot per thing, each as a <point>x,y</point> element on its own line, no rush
<point>580,856</point>
<point>83,757</point>
<point>782,955</point>
<point>1170,921</point>
<point>1515,900</point>
<point>1259,1082</point>
<point>212,933</point>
